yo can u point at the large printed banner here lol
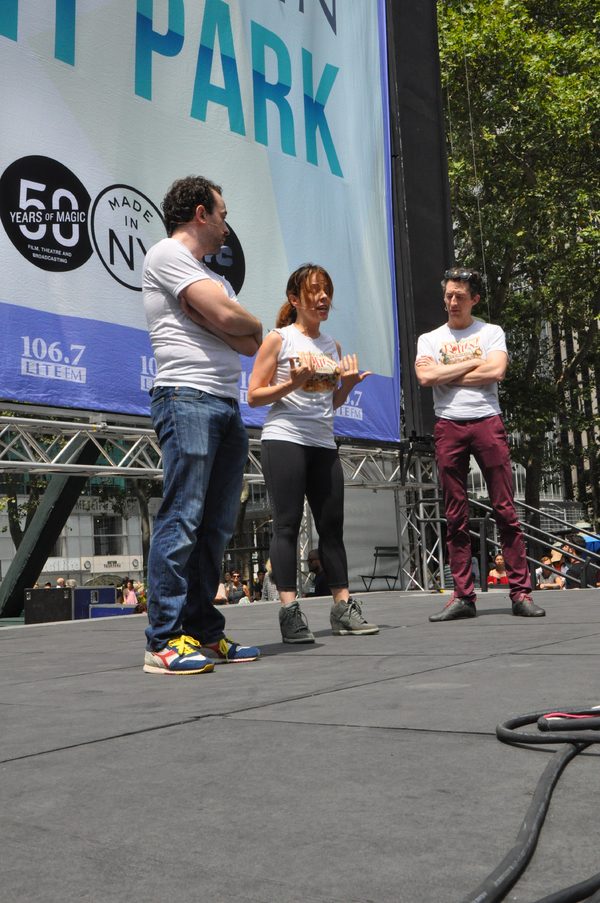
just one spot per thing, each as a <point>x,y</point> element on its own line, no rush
<point>105,103</point>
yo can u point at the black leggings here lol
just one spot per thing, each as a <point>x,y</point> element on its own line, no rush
<point>292,471</point>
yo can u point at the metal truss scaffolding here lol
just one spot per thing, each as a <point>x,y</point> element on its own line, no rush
<point>31,445</point>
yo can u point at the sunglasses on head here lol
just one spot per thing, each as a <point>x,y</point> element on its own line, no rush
<point>458,273</point>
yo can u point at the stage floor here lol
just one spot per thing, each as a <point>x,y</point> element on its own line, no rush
<point>357,769</point>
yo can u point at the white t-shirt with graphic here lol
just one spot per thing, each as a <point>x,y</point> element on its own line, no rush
<point>451,346</point>
<point>186,354</point>
<point>305,416</point>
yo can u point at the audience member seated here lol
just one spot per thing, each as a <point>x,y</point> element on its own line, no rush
<point>269,590</point>
<point>318,585</point>
<point>546,579</point>
<point>498,573</point>
<point>237,591</point>
<point>557,558</point>
<point>221,597</point>
<point>575,545</point>
<point>258,585</point>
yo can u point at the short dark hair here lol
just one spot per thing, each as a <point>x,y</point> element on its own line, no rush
<point>184,196</point>
<point>464,274</point>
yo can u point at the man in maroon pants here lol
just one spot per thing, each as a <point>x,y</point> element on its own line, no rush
<point>464,360</point>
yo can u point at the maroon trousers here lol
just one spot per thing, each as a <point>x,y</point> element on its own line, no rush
<point>455,442</point>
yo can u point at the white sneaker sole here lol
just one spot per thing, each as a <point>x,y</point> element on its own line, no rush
<point>154,669</point>
<point>297,642</point>
<point>343,631</point>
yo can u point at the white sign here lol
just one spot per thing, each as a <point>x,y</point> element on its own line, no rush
<point>58,565</point>
<point>123,564</point>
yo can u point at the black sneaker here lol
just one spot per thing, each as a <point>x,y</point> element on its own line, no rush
<point>523,606</point>
<point>455,610</point>
<point>293,624</point>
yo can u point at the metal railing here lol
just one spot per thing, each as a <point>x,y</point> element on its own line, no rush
<point>533,536</point>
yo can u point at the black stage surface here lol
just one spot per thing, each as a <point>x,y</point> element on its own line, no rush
<point>357,769</point>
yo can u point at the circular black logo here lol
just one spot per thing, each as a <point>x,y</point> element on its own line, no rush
<point>230,262</point>
<point>44,210</point>
<point>125,225</point>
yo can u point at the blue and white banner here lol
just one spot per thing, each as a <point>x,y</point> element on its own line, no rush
<point>104,104</point>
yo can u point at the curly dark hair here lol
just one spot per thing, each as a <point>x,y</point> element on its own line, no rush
<point>296,283</point>
<point>575,540</point>
<point>182,198</point>
<point>463,274</point>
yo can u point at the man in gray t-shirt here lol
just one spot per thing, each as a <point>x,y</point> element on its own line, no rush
<point>464,360</point>
<point>197,330</point>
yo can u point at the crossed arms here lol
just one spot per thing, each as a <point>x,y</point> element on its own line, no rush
<point>476,372</point>
<point>209,306</point>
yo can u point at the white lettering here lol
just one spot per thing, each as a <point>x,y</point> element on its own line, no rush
<point>46,370</point>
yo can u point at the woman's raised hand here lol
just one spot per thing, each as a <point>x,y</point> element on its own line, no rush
<point>302,368</point>
<point>349,374</point>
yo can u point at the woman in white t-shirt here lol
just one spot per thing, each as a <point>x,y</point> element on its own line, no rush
<point>300,371</point>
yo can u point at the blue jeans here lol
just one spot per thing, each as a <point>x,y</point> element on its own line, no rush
<point>205,447</point>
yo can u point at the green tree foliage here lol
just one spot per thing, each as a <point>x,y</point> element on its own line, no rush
<point>521,83</point>
<point>20,512</point>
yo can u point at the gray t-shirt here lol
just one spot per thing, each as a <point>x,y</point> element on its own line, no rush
<point>450,346</point>
<point>186,354</point>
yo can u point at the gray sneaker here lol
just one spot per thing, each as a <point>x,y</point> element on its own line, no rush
<point>346,619</point>
<point>293,624</point>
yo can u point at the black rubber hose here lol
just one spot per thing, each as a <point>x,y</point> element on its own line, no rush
<point>495,887</point>
<point>592,723</point>
<point>499,882</point>
<point>576,892</point>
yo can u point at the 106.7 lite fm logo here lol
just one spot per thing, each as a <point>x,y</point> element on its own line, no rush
<point>45,211</point>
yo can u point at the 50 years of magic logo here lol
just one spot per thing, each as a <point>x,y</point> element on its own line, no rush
<point>49,217</point>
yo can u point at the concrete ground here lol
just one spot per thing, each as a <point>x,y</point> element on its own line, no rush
<point>357,769</point>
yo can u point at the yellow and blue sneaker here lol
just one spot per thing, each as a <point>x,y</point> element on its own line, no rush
<point>181,655</point>
<point>226,651</point>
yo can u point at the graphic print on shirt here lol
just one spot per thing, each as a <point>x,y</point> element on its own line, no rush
<point>455,352</point>
<point>327,375</point>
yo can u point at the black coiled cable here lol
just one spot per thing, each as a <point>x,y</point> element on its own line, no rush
<point>577,733</point>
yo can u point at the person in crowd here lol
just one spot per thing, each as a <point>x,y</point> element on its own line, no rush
<point>464,360</point>
<point>47,585</point>
<point>301,373</point>
<point>197,330</point>
<point>221,597</point>
<point>269,590</point>
<point>258,585</point>
<point>238,589</point>
<point>558,560</point>
<point>497,575</point>
<point>60,582</point>
<point>129,594</point>
<point>547,579</point>
<point>575,546</point>
<point>318,586</point>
